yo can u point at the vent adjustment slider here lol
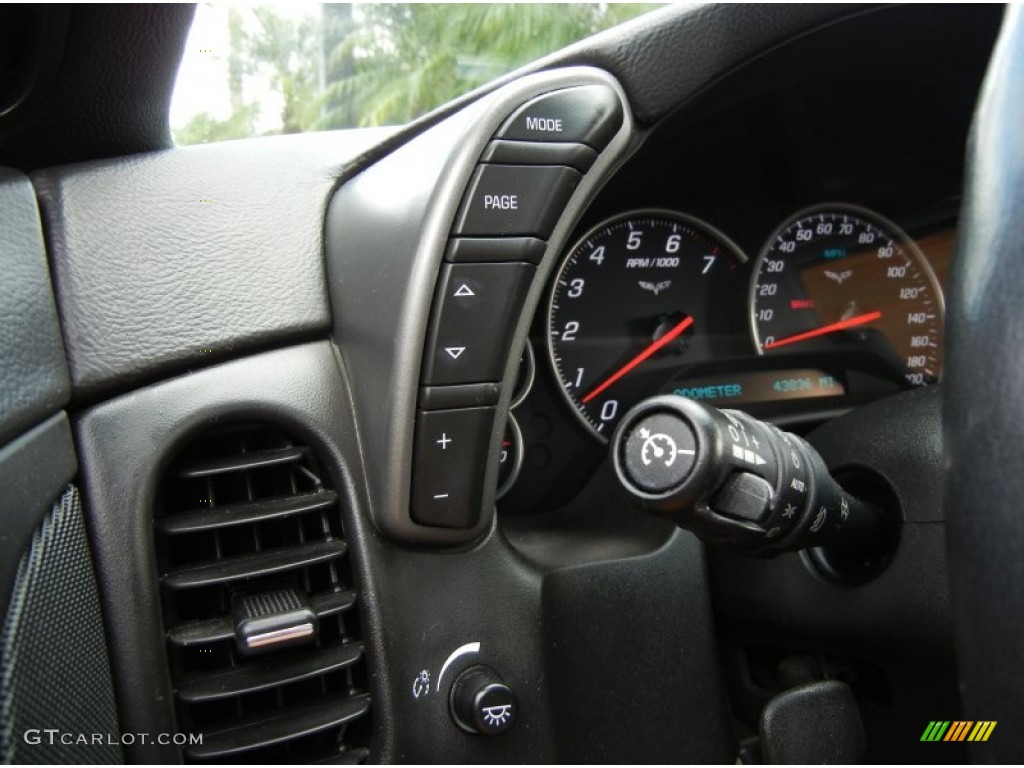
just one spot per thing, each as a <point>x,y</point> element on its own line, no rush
<point>267,621</point>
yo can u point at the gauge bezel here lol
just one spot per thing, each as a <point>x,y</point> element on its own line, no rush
<point>517,441</point>
<point>686,218</point>
<point>530,360</point>
<point>866,214</point>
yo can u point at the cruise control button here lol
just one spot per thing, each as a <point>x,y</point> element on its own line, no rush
<point>515,200</point>
<point>660,452</point>
<point>475,310</point>
<point>448,466</point>
<point>745,497</point>
<point>590,114</point>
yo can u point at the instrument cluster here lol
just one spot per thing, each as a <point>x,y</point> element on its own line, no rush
<point>838,300</point>
<point>834,306</point>
<point>780,245</point>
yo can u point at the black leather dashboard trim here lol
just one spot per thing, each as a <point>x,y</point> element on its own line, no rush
<point>665,58</point>
<point>33,375</point>
<point>167,261</point>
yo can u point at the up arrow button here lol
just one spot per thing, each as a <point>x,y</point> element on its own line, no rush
<point>464,290</point>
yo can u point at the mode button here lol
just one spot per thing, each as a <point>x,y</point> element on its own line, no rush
<point>588,114</point>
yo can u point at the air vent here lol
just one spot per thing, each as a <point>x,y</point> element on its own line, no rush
<point>263,638</point>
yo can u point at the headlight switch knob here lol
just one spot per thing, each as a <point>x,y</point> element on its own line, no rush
<point>482,703</point>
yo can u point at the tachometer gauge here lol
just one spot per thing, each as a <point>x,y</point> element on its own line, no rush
<point>638,298</point>
<point>839,277</point>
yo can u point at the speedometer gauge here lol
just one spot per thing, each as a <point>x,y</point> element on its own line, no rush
<point>637,299</point>
<point>841,278</point>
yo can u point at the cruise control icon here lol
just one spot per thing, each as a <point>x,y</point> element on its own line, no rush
<point>658,446</point>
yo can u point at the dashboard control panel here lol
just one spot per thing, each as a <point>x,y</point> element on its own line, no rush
<point>516,195</point>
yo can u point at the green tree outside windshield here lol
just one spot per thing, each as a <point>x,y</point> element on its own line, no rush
<point>348,66</point>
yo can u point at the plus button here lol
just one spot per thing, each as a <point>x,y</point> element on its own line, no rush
<point>443,441</point>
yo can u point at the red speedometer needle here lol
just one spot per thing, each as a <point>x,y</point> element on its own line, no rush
<point>842,325</point>
<point>674,333</point>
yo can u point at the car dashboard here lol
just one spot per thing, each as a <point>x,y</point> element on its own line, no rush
<point>307,438</point>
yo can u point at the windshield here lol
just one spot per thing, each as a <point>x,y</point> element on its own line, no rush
<point>260,70</point>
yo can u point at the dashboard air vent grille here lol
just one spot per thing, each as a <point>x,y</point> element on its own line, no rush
<point>263,638</point>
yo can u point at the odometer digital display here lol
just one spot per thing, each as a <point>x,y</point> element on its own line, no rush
<point>746,388</point>
<point>844,278</point>
<point>637,299</point>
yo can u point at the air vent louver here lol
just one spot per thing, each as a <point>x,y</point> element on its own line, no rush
<point>246,519</point>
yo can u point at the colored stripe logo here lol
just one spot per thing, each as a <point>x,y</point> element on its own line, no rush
<point>958,730</point>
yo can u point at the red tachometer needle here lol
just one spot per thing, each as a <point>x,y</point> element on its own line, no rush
<point>677,329</point>
<point>842,325</point>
